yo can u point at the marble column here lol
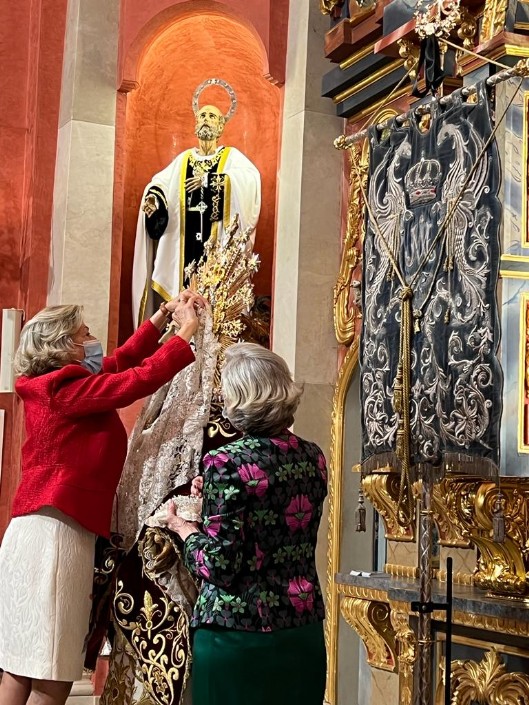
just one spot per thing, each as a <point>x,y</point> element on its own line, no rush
<point>308,225</point>
<point>307,253</point>
<point>82,207</point>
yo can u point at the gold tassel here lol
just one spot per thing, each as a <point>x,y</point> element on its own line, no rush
<point>360,513</point>
<point>498,519</point>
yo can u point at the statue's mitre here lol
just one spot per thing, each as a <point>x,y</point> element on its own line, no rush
<point>223,84</point>
<point>421,181</point>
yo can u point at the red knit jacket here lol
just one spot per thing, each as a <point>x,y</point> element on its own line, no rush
<point>76,444</point>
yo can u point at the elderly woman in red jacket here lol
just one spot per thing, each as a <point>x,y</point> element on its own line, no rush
<point>72,460</point>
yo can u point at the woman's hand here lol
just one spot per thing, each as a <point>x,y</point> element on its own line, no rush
<point>185,316</point>
<point>197,485</point>
<point>180,526</point>
<point>183,297</point>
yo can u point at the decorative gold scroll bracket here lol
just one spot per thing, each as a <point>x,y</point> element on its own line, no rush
<point>367,611</point>
<point>382,490</point>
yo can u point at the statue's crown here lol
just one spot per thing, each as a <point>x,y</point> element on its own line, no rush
<point>421,181</point>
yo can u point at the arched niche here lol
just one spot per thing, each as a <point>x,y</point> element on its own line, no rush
<point>157,123</point>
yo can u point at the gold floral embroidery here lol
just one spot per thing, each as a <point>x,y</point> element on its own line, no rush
<point>159,636</point>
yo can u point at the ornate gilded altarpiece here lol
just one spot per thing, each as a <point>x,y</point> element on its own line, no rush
<point>490,661</point>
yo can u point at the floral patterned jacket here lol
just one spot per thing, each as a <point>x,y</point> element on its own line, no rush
<point>263,501</point>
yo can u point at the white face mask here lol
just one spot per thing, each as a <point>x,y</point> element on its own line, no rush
<point>93,355</point>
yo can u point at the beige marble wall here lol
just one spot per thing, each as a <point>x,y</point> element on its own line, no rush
<point>308,224</point>
<point>308,233</point>
<point>402,553</point>
<point>464,563</point>
<point>82,209</point>
<point>384,687</point>
<point>308,227</point>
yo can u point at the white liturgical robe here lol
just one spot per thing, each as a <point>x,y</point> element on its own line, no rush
<point>163,272</point>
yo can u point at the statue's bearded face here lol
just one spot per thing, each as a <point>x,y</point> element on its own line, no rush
<point>209,123</point>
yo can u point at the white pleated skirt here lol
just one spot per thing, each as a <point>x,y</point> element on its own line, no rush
<point>46,577</point>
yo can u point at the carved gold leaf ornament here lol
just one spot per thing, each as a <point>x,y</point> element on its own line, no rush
<point>494,17</point>
<point>466,31</point>
<point>347,306</point>
<point>327,6</point>
<point>410,53</point>
<point>437,18</point>
<point>453,509</point>
<point>407,649</point>
<point>487,682</point>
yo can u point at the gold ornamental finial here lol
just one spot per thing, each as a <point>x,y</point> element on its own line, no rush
<point>340,142</point>
<point>327,6</point>
<point>521,68</point>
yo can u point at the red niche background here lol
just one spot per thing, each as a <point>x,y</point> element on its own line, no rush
<point>159,124</point>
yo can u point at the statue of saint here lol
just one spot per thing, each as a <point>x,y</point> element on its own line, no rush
<point>190,201</point>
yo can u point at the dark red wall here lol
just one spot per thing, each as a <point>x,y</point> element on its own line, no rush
<point>32,42</point>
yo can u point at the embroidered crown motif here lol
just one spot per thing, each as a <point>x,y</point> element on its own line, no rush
<point>421,181</point>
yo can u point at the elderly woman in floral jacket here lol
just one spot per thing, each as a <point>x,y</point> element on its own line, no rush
<point>258,618</point>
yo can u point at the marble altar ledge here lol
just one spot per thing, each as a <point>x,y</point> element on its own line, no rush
<point>465,598</point>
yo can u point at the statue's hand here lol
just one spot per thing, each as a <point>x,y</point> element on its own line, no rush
<point>193,183</point>
<point>150,205</point>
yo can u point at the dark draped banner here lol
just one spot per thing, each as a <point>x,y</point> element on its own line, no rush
<point>434,198</point>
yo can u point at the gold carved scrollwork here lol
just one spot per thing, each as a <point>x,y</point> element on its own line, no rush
<point>467,28</point>
<point>347,292</point>
<point>327,6</point>
<point>409,572</point>
<point>407,651</point>
<point>503,567</point>
<point>453,509</point>
<point>371,620</point>
<point>487,683</point>
<point>382,490</point>
<point>494,16</point>
<point>410,53</point>
<point>489,624</point>
<point>466,32</point>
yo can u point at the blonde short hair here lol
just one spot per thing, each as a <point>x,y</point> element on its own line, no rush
<point>46,340</point>
<point>260,396</point>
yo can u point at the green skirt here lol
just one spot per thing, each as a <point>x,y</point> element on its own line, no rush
<point>284,667</point>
